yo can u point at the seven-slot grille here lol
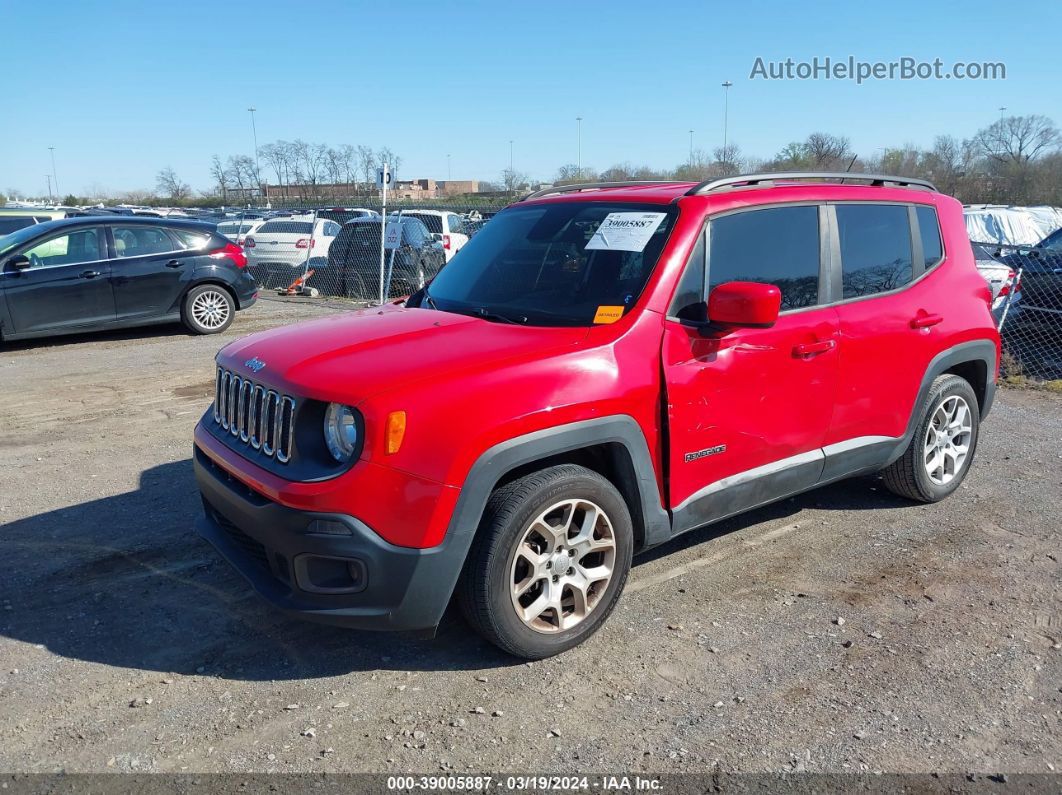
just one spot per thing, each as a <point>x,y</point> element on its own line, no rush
<point>256,415</point>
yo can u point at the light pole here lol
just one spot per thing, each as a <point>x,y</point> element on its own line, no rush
<point>49,178</point>
<point>726,109</point>
<point>449,175</point>
<point>257,168</point>
<point>691,148</point>
<point>579,146</point>
<point>1001,109</point>
<point>55,179</point>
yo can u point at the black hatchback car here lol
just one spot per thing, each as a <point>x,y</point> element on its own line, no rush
<point>102,272</point>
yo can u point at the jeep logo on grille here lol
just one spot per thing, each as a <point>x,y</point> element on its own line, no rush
<point>255,365</point>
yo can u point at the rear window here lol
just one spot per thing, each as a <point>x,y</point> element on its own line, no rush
<point>11,224</point>
<point>286,228</point>
<point>433,222</point>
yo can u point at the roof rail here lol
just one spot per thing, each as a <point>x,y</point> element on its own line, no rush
<point>575,188</point>
<point>752,180</point>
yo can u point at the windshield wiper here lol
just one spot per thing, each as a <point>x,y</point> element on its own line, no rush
<point>486,314</point>
<point>427,297</point>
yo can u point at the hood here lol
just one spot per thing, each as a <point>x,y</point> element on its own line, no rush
<point>351,356</point>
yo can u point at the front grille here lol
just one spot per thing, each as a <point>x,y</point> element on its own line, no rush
<point>259,417</point>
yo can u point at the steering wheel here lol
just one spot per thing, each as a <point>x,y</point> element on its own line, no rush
<point>35,261</point>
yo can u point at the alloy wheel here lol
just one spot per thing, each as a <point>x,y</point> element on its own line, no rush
<point>210,309</point>
<point>947,441</point>
<point>562,566</point>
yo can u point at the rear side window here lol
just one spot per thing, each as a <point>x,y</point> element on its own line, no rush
<point>929,231</point>
<point>193,240</point>
<point>777,245</point>
<point>457,224</point>
<point>286,228</point>
<point>875,248</point>
<point>415,233</point>
<point>139,241</point>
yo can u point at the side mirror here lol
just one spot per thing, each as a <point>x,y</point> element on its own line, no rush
<point>744,304</point>
<point>19,262</point>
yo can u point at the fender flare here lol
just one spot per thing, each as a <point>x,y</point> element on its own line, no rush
<point>983,351</point>
<point>495,462</point>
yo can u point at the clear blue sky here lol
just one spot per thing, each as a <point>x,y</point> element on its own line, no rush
<point>123,89</point>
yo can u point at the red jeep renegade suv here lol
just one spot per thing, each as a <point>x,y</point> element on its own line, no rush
<point>601,368</point>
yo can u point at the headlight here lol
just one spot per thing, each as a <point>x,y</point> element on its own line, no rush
<point>340,431</point>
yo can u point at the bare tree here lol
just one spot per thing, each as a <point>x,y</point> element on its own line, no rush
<point>1017,139</point>
<point>513,180</point>
<point>220,175</point>
<point>367,164</point>
<point>171,186</point>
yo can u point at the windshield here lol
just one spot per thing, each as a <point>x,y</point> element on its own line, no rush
<point>8,242</point>
<point>549,265</point>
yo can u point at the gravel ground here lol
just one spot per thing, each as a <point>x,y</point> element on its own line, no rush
<point>844,630</point>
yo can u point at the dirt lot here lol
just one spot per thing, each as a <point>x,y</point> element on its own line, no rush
<point>844,630</point>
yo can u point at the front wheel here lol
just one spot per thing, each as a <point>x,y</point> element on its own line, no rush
<point>208,309</point>
<point>549,561</point>
<point>940,452</point>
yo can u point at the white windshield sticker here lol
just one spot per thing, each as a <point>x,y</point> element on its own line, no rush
<point>625,231</point>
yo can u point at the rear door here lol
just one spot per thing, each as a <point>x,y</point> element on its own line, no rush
<point>66,285</point>
<point>748,409</point>
<point>148,272</point>
<point>890,324</point>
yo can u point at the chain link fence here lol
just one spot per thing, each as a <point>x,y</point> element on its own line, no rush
<point>1027,289</point>
<point>348,252</point>
<point>336,252</point>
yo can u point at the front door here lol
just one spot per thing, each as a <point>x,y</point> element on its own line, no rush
<point>148,272</point>
<point>748,409</point>
<point>65,285</point>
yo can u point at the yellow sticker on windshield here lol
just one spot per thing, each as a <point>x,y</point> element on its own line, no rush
<point>608,314</point>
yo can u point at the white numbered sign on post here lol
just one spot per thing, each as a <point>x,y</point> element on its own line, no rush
<point>383,176</point>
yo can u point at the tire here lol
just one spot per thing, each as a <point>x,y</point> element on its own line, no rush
<point>498,564</point>
<point>916,474</point>
<point>208,309</point>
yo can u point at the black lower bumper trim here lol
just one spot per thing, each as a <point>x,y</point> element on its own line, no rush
<point>403,588</point>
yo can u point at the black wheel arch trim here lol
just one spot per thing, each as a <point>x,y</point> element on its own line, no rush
<point>981,351</point>
<point>494,463</point>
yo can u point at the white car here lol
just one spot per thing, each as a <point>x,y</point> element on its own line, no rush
<point>280,249</point>
<point>237,230</point>
<point>445,226</point>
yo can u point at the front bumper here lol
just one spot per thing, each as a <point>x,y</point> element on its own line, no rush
<point>300,571</point>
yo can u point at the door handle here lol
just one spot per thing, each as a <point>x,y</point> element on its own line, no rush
<point>175,263</point>
<point>925,321</point>
<point>811,348</point>
<point>89,274</point>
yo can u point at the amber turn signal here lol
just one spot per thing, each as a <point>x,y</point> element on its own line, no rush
<point>396,430</point>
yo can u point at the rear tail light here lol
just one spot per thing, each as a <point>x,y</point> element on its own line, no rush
<point>446,242</point>
<point>304,242</point>
<point>232,252</point>
<point>1010,284</point>
<point>248,242</point>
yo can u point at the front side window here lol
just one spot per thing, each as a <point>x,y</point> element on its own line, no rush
<point>69,249</point>
<point>875,248</point>
<point>776,245</point>
<point>141,241</point>
<point>547,265</point>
